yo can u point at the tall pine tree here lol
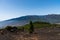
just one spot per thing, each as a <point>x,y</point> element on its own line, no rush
<point>31,29</point>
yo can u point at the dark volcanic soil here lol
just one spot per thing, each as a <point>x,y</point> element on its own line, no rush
<point>39,34</point>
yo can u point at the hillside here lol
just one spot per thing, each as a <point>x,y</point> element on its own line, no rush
<point>42,31</point>
<point>20,21</point>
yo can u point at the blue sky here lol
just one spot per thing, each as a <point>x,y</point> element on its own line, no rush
<point>16,8</point>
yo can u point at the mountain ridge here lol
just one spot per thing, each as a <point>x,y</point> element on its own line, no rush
<point>20,21</point>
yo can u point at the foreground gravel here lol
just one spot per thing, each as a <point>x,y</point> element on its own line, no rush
<point>39,34</point>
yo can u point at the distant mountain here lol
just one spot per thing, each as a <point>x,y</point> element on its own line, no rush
<point>20,21</point>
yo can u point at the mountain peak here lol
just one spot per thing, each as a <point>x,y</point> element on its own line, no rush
<point>54,14</point>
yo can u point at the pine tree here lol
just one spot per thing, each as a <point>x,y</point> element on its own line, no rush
<point>31,29</point>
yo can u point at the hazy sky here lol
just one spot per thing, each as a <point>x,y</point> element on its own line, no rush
<point>16,8</point>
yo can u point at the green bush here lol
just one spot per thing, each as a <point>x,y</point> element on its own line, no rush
<point>8,28</point>
<point>11,29</point>
<point>14,29</point>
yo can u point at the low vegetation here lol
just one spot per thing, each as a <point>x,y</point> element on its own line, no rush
<point>31,31</point>
<point>31,26</point>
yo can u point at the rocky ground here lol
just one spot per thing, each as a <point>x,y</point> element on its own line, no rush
<point>39,34</point>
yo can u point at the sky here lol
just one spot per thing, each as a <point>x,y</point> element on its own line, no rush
<point>16,8</point>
